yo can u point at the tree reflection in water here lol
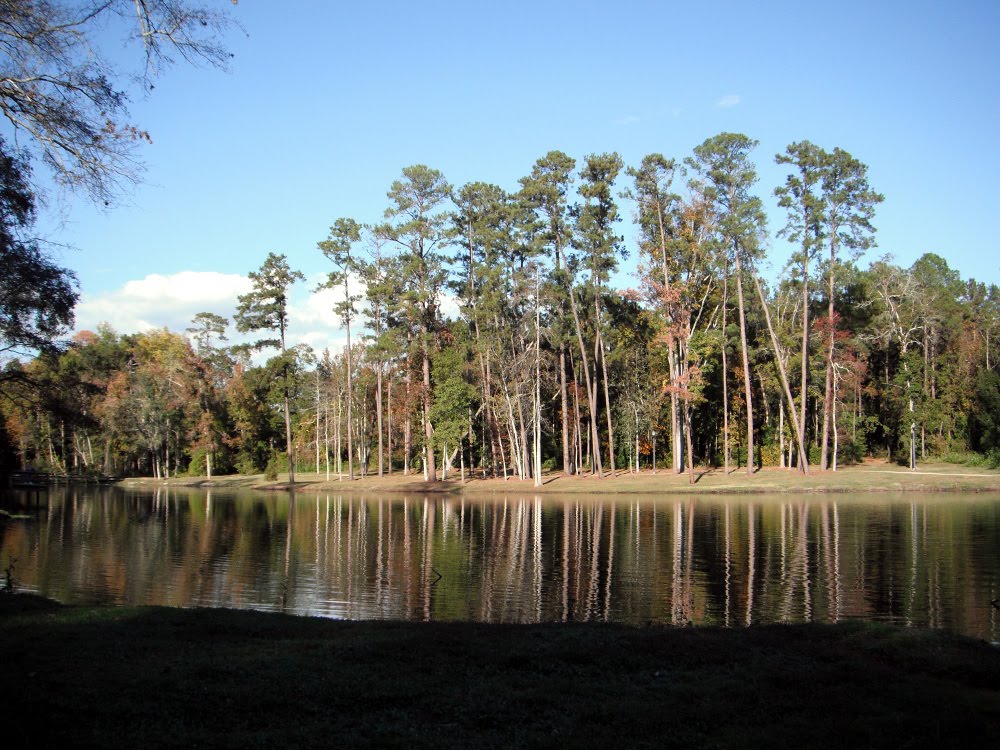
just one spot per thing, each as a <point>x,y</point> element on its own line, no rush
<point>915,560</point>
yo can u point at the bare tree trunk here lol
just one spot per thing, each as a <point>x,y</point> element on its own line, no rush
<point>676,450</point>
<point>388,427</point>
<point>804,385</point>
<point>537,414</point>
<point>799,434</point>
<point>607,407</point>
<point>725,376</point>
<point>407,423</point>
<point>568,467</point>
<point>747,384</point>
<point>687,436</point>
<point>781,434</point>
<point>833,415</point>
<point>339,431</point>
<point>317,420</point>
<point>828,384</point>
<point>577,423</point>
<point>591,394</point>
<point>350,402</point>
<point>378,415</point>
<point>428,428</point>
<point>522,435</point>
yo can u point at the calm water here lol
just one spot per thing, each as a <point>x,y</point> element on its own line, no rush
<point>907,559</point>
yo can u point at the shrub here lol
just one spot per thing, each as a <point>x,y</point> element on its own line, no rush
<point>197,467</point>
<point>276,464</point>
<point>245,464</point>
<point>770,454</point>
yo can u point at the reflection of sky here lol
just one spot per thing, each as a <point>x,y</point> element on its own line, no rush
<point>725,562</point>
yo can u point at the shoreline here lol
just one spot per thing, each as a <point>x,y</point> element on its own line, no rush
<point>873,477</point>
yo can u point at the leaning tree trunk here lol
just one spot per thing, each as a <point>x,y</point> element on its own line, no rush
<point>607,406</point>
<point>596,467</point>
<point>799,433</point>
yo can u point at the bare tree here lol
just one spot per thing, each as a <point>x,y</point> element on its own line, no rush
<point>66,100</point>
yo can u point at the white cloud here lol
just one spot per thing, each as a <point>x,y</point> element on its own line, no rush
<point>159,300</point>
<point>171,301</point>
<point>729,100</point>
<point>627,120</point>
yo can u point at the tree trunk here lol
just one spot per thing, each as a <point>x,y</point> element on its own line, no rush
<point>388,426</point>
<point>378,415</point>
<point>828,383</point>
<point>428,428</point>
<point>804,385</point>
<point>407,421</point>
<point>568,468</point>
<point>599,351</point>
<point>607,407</point>
<point>591,395</point>
<point>537,412</point>
<point>799,435</point>
<point>781,434</point>
<point>725,377</point>
<point>747,384</point>
<point>350,399</point>
<point>686,407</point>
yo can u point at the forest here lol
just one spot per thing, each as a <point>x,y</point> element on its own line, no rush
<point>550,363</point>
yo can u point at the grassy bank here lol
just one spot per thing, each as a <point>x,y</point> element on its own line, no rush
<point>128,677</point>
<point>869,477</point>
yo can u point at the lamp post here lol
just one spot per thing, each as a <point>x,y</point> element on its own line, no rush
<point>654,451</point>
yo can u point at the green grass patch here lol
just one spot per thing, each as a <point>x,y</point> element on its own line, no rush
<point>127,677</point>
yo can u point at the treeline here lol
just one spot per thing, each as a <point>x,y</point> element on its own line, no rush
<point>549,366</point>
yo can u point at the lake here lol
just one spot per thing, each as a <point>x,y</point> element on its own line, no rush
<point>908,559</point>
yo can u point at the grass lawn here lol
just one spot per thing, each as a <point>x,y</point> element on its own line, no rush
<point>874,476</point>
<point>156,677</point>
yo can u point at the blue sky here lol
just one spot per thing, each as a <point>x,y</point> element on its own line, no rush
<point>327,102</point>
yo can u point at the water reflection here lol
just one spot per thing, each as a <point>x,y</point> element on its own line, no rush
<point>905,559</point>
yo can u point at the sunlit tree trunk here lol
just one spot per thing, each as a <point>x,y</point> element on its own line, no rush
<point>747,384</point>
<point>725,376</point>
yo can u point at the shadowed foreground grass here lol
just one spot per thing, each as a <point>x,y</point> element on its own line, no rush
<point>156,677</point>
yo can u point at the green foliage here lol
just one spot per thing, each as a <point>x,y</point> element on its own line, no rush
<point>276,464</point>
<point>36,295</point>
<point>984,419</point>
<point>853,451</point>
<point>919,334</point>
<point>453,396</point>
<point>205,327</point>
<point>770,454</point>
<point>265,307</point>
<point>246,461</point>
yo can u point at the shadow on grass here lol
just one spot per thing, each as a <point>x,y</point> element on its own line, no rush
<point>122,677</point>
